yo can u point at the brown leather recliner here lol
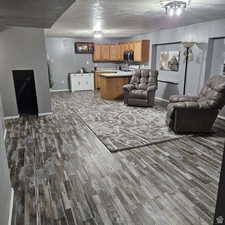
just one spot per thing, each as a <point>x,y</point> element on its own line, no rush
<point>141,89</point>
<point>197,114</point>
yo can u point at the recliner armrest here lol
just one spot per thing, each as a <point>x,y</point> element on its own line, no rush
<point>180,98</point>
<point>188,105</point>
<point>128,87</point>
<point>151,88</point>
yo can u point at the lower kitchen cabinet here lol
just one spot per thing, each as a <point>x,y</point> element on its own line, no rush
<point>81,82</point>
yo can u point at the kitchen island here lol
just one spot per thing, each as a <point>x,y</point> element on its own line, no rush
<point>112,84</point>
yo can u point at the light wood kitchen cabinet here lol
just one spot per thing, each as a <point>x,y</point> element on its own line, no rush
<point>98,79</point>
<point>97,52</point>
<point>115,52</point>
<point>131,46</point>
<point>105,52</point>
<point>141,51</point>
<point>101,52</point>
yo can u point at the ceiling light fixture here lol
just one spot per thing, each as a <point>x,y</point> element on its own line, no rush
<point>175,7</point>
<point>98,34</point>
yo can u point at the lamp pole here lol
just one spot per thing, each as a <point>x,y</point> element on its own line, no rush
<point>187,45</point>
<point>186,65</point>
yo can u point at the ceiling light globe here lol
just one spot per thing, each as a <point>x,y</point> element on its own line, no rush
<point>171,11</point>
<point>179,11</point>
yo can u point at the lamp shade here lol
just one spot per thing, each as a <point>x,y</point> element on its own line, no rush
<point>188,44</point>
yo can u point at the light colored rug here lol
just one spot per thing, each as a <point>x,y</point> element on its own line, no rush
<point>118,126</point>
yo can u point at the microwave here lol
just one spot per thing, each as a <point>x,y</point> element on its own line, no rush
<point>128,56</point>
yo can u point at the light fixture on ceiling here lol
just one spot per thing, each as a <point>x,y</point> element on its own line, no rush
<point>175,7</point>
<point>98,34</point>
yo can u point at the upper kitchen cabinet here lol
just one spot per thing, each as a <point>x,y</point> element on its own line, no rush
<point>131,46</point>
<point>123,48</point>
<point>105,52</point>
<point>101,52</point>
<point>115,52</point>
<point>141,51</point>
<point>97,52</point>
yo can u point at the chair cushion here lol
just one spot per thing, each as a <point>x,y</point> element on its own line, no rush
<point>138,94</point>
<point>142,79</point>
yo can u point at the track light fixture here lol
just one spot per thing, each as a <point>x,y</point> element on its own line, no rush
<point>175,8</point>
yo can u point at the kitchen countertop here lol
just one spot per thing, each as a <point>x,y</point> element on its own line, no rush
<point>107,70</point>
<point>118,74</point>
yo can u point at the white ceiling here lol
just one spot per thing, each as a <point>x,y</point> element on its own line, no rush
<point>31,13</point>
<point>125,18</point>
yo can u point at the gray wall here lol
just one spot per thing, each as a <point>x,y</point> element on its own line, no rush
<point>218,56</point>
<point>5,185</point>
<point>176,77</point>
<point>218,59</point>
<point>198,33</point>
<point>63,60</point>
<point>23,48</point>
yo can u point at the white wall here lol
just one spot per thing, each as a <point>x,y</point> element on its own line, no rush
<point>23,48</point>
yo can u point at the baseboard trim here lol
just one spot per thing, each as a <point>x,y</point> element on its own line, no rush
<point>221,117</point>
<point>45,114</point>
<point>162,99</point>
<point>11,207</point>
<point>5,133</point>
<point>59,90</point>
<point>11,117</point>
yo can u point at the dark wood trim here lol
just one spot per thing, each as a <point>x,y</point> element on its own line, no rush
<point>169,82</point>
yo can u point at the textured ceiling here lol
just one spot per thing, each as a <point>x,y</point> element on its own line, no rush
<point>125,18</point>
<point>31,13</point>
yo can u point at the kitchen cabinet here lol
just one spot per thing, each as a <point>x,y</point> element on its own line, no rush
<point>141,51</point>
<point>81,82</point>
<point>97,52</point>
<point>115,52</point>
<point>105,52</point>
<point>137,51</point>
<point>98,78</point>
<point>131,46</point>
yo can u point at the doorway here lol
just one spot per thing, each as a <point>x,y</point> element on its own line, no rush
<point>25,92</point>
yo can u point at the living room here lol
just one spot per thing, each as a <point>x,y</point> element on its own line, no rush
<point>112,112</point>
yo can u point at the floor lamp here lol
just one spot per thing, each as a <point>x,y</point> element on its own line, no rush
<point>188,46</point>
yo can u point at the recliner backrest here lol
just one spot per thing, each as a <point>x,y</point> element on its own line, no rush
<point>214,92</point>
<point>142,79</point>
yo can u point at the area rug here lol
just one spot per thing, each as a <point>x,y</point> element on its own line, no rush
<point>118,126</point>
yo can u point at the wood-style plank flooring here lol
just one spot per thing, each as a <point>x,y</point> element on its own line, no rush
<point>63,175</point>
